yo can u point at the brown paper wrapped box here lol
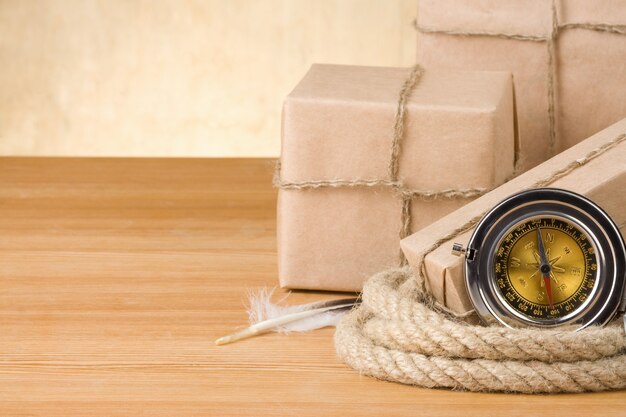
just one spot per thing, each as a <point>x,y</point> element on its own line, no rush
<point>341,208</point>
<point>595,167</point>
<point>582,56</point>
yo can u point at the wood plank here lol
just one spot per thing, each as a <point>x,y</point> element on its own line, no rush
<point>116,276</point>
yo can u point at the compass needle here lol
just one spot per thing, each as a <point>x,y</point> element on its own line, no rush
<point>546,269</point>
<point>546,257</point>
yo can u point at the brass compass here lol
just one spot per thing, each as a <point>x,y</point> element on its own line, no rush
<point>546,257</point>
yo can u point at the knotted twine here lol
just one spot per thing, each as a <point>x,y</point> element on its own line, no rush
<point>550,41</point>
<point>392,181</point>
<point>400,333</point>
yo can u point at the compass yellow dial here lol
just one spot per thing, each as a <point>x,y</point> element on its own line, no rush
<point>545,268</point>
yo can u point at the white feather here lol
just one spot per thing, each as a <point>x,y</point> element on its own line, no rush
<point>261,308</point>
<point>266,316</point>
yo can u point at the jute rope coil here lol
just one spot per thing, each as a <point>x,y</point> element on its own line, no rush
<point>399,334</point>
<point>400,317</point>
<point>550,41</point>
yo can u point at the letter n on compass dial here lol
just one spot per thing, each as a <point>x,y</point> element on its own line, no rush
<point>573,268</point>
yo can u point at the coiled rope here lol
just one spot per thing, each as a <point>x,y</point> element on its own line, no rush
<point>399,334</point>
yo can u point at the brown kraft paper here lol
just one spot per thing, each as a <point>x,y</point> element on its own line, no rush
<point>370,155</point>
<point>595,168</point>
<point>567,60</point>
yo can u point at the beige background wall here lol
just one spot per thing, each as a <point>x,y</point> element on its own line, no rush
<point>177,77</point>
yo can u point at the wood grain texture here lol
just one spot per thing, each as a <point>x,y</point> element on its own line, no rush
<point>116,275</point>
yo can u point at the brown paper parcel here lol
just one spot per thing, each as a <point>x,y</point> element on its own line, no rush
<point>567,59</point>
<point>595,168</point>
<point>349,191</point>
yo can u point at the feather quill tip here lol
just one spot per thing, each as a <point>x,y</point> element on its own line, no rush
<point>233,337</point>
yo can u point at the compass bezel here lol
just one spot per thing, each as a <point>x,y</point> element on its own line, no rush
<point>546,202</point>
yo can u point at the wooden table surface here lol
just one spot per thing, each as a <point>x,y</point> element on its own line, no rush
<point>116,276</point>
